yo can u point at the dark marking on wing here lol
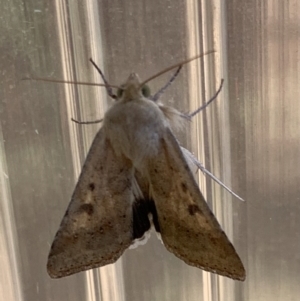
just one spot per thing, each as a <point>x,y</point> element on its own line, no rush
<point>141,223</point>
<point>92,186</point>
<point>184,187</point>
<point>87,208</point>
<point>193,209</point>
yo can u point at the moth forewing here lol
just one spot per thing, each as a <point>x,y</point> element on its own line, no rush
<point>187,225</point>
<point>96,228</point>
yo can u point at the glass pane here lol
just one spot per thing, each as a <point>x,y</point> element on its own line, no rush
<point>248,137</point>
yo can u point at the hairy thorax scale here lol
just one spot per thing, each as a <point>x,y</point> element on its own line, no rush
<point>134,126</point>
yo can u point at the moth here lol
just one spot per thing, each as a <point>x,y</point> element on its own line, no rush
<point>137,175</point>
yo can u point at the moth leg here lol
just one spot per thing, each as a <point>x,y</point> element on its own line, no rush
<point>157,95</point>
<point>191,158</point>
<point>208,102</point>
<point>189,116</point>
<point>87,122</point>
<point>108,90</point>
<point>107,86</point>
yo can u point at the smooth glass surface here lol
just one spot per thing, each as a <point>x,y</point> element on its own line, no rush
<point>249,137</point>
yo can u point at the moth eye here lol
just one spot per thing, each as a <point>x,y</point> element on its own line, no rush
<point>120,92</point>
<point>146,91</point>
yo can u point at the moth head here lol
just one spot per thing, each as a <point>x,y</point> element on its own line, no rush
<point>132,89</point>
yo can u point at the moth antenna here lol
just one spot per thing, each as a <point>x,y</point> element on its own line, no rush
<point>86,122</point>
<point>157,95</point>
<point>107,85</point>
<point>176,65</point>
<point>208,102</point>
<point>45,79</point>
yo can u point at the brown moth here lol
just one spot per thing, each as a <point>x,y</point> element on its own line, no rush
<point>135,175</point>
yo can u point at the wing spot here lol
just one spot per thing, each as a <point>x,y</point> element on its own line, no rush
<point>193,209</point>
<point>87,208</point>
<point>184,187</point>
<point>92,186</point>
